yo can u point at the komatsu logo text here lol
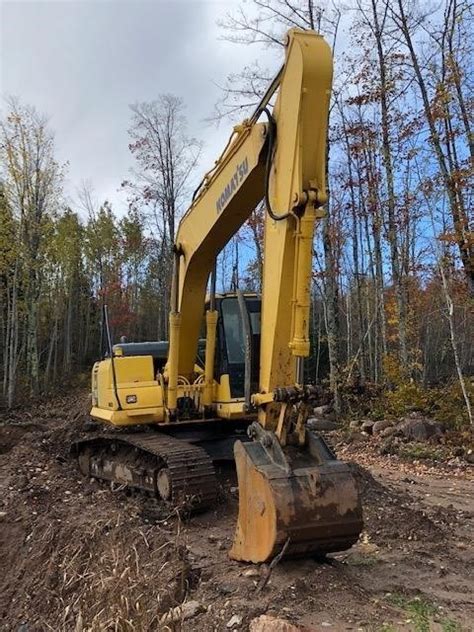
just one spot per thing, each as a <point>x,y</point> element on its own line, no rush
<point>232,186</point>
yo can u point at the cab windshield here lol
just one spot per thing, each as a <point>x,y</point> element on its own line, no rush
<point>234,328</point>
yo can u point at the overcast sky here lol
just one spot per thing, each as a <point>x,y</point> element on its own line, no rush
<point>83,62</point>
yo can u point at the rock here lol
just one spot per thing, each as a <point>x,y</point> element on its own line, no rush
<point>470,457</point>
<point>186,610</point>
<point>225,588</point>
<point>355,424</point>
<point>320,411</point>
<point>358,437</point>
<point>3,514</point>
<point>234,621</point>
<point>321,424</point>
<point>367,426</point>
<point>251,572</point>
<point>388,432</point>
<point>265,623</point>
<point>388,446</point>
<point>419,429</point>
<point>380,426</point>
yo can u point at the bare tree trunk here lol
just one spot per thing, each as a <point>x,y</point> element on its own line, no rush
<point>452,17</point>
<point>332,314</point>
<point>13,340</point>
<point>51,351</point>
<point>6,340</point>
<point>454,346</point>
<point>355,248</point>
<point>390,183</point>
<point>460,220</point>
<point>68,331</point>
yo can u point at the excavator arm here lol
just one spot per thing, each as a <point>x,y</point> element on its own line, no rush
<point>281,161</point>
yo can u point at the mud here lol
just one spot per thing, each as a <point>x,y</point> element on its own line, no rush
<point>77,556</point>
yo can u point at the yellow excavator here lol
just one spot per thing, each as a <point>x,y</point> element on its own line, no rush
<point>185,404</point>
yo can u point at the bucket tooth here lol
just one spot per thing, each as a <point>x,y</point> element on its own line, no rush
<point>311,501</point>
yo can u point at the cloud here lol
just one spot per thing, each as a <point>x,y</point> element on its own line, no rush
<point>82,63</point>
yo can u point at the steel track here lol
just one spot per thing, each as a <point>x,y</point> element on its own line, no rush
<point>172,470</point>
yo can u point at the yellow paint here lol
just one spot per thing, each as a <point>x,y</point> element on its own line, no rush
<point>211,326</point>
<point>256,534</point>
<point>297,185</point>
<point>134,376</point>
<point>230,192</point>
<point>172,365</point>
<point>298,173</point>
<point>204,231</point>
<point>225,406</point>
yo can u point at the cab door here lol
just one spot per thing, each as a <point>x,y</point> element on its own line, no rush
<point>234,327</point>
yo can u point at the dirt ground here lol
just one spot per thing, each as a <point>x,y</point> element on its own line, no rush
<point>77,556</point>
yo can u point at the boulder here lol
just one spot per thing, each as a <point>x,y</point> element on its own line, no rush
<point>380,426</point>
<point>266,623</point>
<point>355,424</point>
<point>321,424</point>
<point>420,429</point>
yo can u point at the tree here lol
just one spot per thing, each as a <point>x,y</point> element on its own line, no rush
<point>407,21</point>
<point>165,160</point>
<point>32,181</point>
<point>9,272</point>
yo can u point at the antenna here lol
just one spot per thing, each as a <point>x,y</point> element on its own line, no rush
<point>111,354</point>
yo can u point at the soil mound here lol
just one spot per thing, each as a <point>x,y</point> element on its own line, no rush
<point>392,514</point>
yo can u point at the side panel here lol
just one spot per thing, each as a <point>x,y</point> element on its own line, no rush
<point>135,382</point>
<point>226,406</point>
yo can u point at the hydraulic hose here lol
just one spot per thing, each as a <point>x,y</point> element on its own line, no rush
<point>272,131</point>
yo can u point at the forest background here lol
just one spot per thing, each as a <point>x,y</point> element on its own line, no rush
<point>392,298</point>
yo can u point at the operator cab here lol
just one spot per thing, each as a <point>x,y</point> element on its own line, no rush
<point>239,322</point>
<point>157,349</point>
<point>237,355</point>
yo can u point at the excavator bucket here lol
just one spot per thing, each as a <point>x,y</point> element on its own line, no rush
<point>297,502</point>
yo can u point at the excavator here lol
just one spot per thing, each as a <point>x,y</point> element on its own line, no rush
<point>238,390</point>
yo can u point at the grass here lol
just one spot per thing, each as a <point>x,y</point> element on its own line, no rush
<point>419,451</point>
<point>421,612</point>
<point>362,560</point>
<point>448,625</point>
